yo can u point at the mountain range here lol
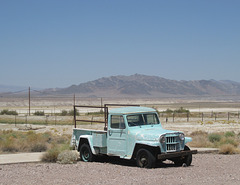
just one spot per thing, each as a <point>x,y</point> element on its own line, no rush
<point>149,86</point>
<point>139,85</point>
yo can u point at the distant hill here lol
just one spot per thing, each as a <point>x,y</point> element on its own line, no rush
<point>149,86</point>
<point>9,88</point>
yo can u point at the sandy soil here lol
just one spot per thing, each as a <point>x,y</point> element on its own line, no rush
<point>205,169</point>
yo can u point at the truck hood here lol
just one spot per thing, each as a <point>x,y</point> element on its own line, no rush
<point>151,133</point>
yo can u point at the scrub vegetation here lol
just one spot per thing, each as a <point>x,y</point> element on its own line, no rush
<point>56,147</point>
<point>30,141</point>
<point>228,142</point>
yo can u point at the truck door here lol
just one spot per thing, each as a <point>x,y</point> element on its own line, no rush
<point>117,135</point>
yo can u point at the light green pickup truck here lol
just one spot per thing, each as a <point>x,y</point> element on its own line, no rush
<point>132,133</point>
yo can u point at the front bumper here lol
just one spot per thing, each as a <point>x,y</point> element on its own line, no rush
<point>176,154</point>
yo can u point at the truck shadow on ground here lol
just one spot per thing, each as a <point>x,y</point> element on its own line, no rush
<point>131,163</point>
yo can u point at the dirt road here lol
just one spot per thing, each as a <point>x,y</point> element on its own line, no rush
<point>205,169</point>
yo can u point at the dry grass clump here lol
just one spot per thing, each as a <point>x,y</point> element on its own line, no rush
<point>51,155</point>
<point>67,157</point>
<point>228,149</point>
<point>200,139</point>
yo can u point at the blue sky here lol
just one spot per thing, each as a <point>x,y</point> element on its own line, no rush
<point>57,43</point>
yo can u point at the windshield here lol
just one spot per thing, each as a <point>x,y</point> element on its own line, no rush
<point>142,119</point>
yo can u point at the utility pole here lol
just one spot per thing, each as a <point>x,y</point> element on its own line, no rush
<point>29,101</point>
<point>74,99</point>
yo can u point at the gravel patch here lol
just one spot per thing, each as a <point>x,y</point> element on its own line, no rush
<point>205,169</point>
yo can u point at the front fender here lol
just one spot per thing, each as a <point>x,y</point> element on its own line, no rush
<point>188,139</point>
<point>90,142</point>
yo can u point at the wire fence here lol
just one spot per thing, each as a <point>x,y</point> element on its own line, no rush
<point>200,116</point>
<point>54,117</point>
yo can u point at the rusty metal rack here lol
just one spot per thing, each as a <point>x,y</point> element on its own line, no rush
<point>105,108</point>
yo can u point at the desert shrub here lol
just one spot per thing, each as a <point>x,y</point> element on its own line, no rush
<point>228,149</point>
<point>229,140</point>
<point>51,155</point>
<point>39,113</point>
<point>64,113</point>
<point>181,110</point>
<point>67,157</point>
<point>229,134</point>
<point>214,137</point>
<point>8,112</point>
<point>69,113</point>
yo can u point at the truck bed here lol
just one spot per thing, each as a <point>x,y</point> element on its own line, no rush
<point>97,137</point>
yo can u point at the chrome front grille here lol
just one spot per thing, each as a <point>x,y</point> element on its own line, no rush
<point>172,143</point>
<point>171,139</point>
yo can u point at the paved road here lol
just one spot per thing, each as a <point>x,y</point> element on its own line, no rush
<point>20,158</point>
<point>36,157</point>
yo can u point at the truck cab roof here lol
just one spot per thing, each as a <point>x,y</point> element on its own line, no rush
<point>131,110</point>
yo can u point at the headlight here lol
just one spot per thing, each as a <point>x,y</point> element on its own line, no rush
<point>162,139</point>
<point>181,136</point>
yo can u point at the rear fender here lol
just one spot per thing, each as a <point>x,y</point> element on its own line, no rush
<point>86,139</point>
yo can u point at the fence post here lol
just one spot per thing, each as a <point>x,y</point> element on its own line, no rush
<point>202,116</point>
<point>173,117</point>
<point>187,117</point>
<point>228,116</point>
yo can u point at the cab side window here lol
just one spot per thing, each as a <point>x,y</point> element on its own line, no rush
<point>117,121</point>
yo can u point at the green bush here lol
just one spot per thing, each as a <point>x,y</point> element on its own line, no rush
<point>229,134</point>
<point>8,112</point>
<point>214,137</point>
<point>181,110</point>
<point>69,113</point>
<point>39,113</point>
<point>64,113</point>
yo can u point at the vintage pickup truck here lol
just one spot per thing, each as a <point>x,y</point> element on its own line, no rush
<point>132,133</point>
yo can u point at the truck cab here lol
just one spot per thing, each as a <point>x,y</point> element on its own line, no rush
<point>134,133</point>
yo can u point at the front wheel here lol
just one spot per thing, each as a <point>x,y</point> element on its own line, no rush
<point>86,154</point>
<point>186,159</point>
<point>145,159</point>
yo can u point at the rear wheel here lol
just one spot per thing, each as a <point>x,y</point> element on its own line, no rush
<point>145,159</point>
<point>86,154</point>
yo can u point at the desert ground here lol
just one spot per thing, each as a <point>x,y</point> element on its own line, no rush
<point>205,169</point>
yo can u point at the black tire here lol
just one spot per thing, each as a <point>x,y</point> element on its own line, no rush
<point>86,154</point>
<point>186,159</point>
<point>145,159</point>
